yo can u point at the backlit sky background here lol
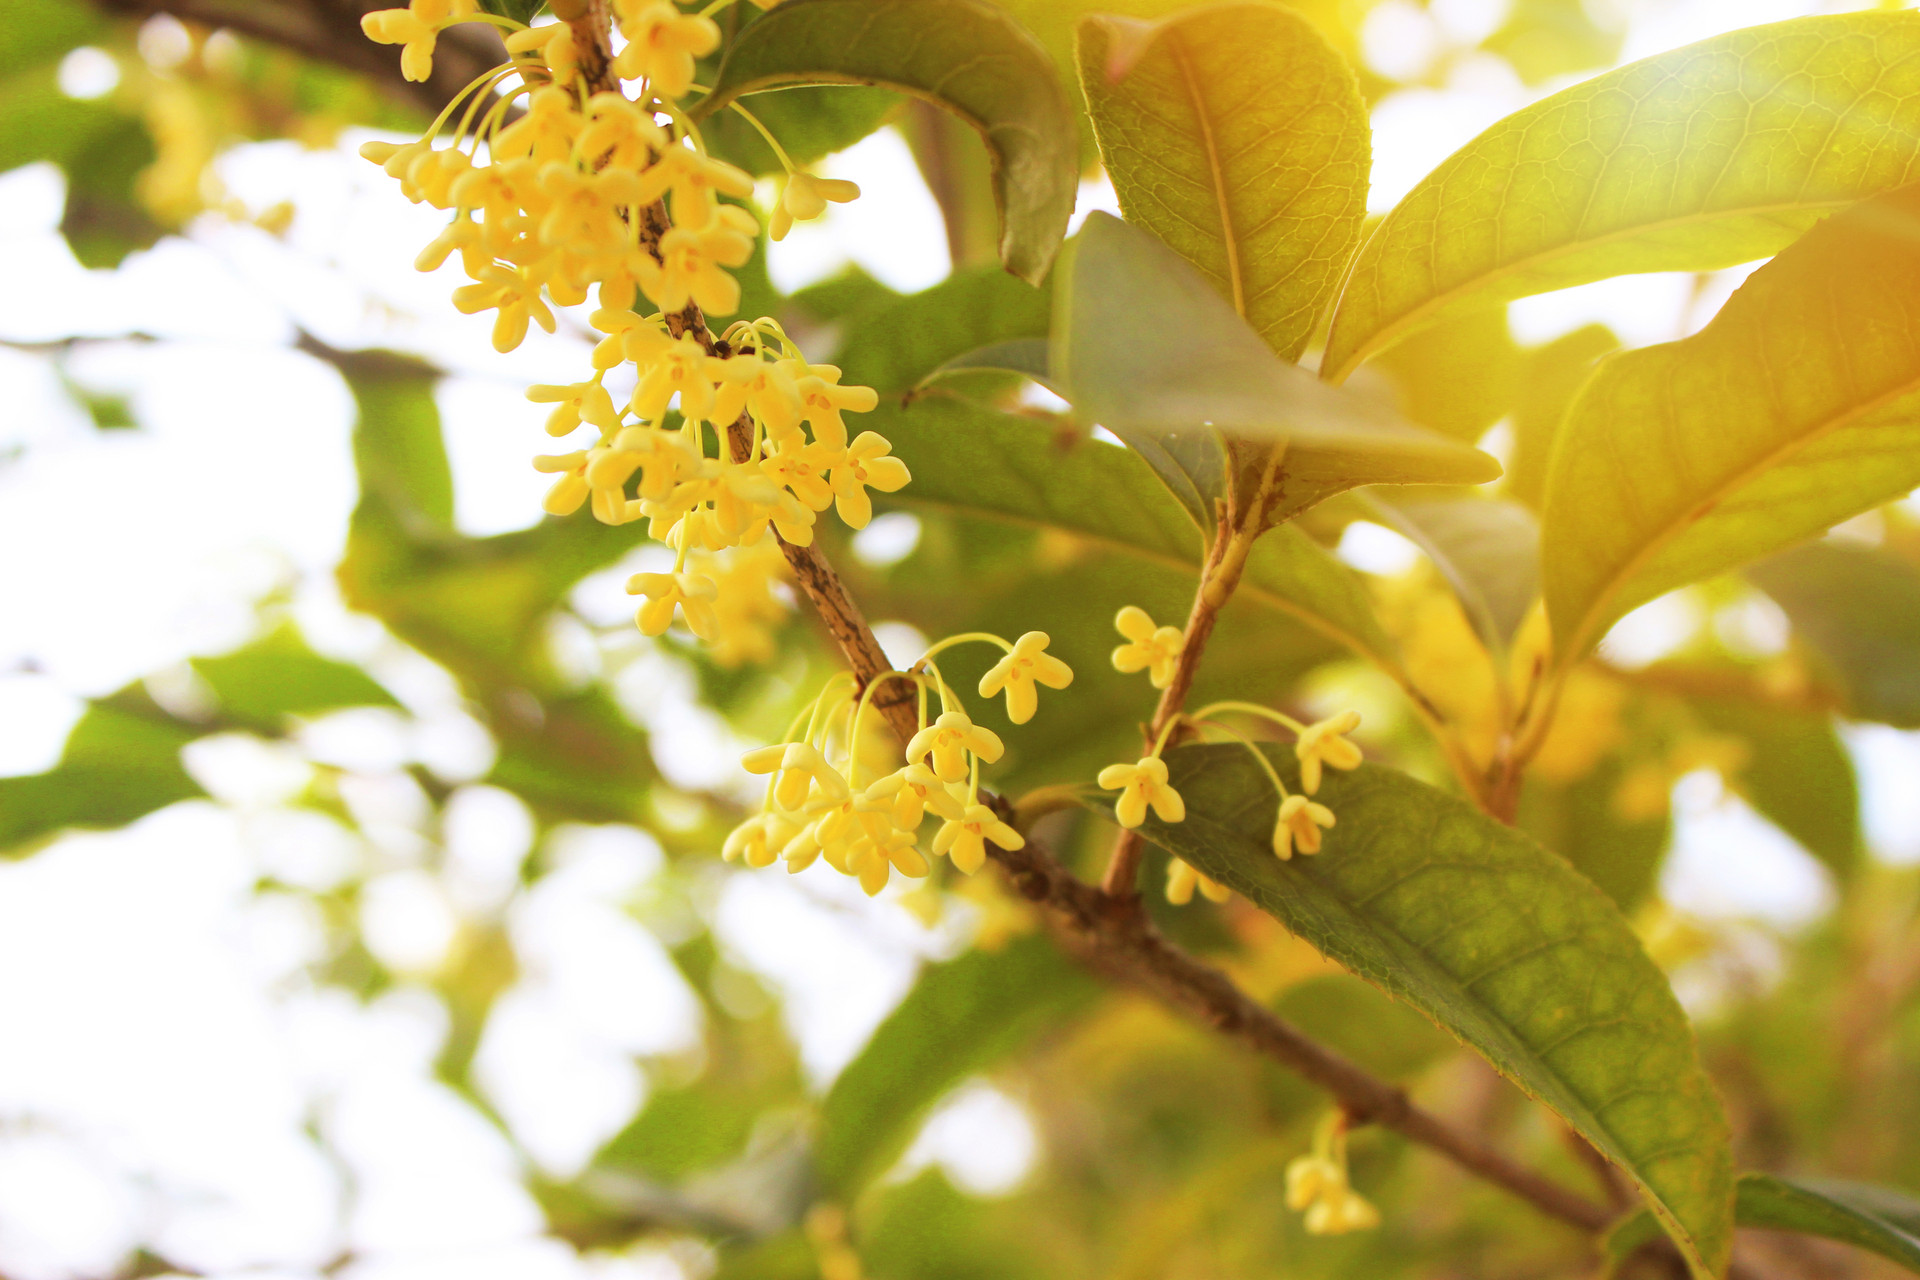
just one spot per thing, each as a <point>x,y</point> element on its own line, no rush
<point>164,1062</point>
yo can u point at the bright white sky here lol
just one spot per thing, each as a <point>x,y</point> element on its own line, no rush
<point>165,1060</point>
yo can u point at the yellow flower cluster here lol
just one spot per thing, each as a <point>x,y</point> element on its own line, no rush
<point>826,798</point>
<point>1144,784</point>
<point>1318,1183</point>
<point>614,196</point>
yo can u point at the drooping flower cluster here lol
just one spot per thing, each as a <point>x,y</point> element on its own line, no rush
<point>833,795</point>
<point>1144,785</point>
<point>1318,1183</point>
<point>612,195</point>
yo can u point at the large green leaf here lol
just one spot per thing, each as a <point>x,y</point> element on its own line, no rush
<point>1580,819</point>
<point>1859,609</point>
<point>1144,344</point>
<point>1798,407</point>
<point>811,122</point>
<point>1878,1219</point>
<point>1237,136</point>
<point>975,460</point>
<point>961,1018</point>
<point>1550,377</point>
<point>121,762</point>
<point>1708,156</point>
<point>965,55</point>
<point>1498,941</point>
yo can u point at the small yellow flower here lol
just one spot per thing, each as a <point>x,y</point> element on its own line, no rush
<point>801,768</point>
<point>949,740</point>
<point>805,197</point>
<point>692,265</point>
<point>545,134</point>
<point>1299,823</point>
<point>415,28</point>
<point>689,592</point>
<point>965,839</point>
<point>762,387</point>
<point>802,468</point>
<point>514,296</point>
<point>906,794</point>
<point>620,133</point>
<point>758,841</point>
<point>823,400</point>
<point>575,403</point>
<point>662,43</point>
<point>1140,785</point>
<point>1324,742</point>
<point>874,858</point>
<point>1155,650</point>
<point>868,464</point>
<point>1017,673</point>
<point>1183,878</point>
<point>694,183</point>
<point>552,45</point>
<point>1319,1185</point>
<point>683,368</point>
<point>585,213</point>
<point>571,489</point>
<point>463,235</point>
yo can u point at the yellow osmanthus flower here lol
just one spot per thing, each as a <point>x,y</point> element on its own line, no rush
<point>1026,664</point>
<point>965,839</point>
<point>1318,1183</point>
<point>806,197</point>
<point>690,593</point>
<point>1140,785</point>
<point>416,28</point>
<point>949,740</point>
<point>868,464</point>
<point>662,43</point>
<point>1298,825</point>
<point>1324,743</point>
<point>1183,879</point>
<point>1155,650</point>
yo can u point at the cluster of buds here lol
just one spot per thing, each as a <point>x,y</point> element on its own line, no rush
<point>837,794</point>
<point>1318,1183</point>
<point>611,195</point>
<point>1143,785</point>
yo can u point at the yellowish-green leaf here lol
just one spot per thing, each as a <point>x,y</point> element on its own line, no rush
<point>1498,941</point>
<point>1878,1219</point>
<point>1858,608</point>
<point>1711,155</point>
<point>1798,407</point>
<point>1237,135</point>
<point>1142,343</point>
<point>964,55</point>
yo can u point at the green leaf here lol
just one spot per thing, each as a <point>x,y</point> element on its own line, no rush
<point>1798,775</point>
<point>1798,407</point>
<point>1543,39</point>
<point>964,55</point>
<point>961,1018</point>
<point>1581,820</point>
<point>41,30</point>
<point>121,762</point>
<point>279,675</point>
<point>100,150</point>
<point>1488,549</point>
<point>1236,135</point>
<point>896,346</point>
<point>1711,155</point>
<point>1458,378</point>
<point>1498,941</point>
<point>1858,608</point>
<point>1146,346</point>
<point>1026,357</point>
<point>974,460</point>
<point>1877,1219</point>
<point>811,122</point>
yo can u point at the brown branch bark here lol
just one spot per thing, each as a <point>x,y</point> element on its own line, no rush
<point>1124,945</point>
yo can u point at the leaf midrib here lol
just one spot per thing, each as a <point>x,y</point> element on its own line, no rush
<point>1177,47</point>
<point>1391,332</point>
<point>1701,509</point>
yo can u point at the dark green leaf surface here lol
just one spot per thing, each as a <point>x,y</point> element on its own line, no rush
<point>1798,407</point>
<point>1798,775</point>
<point>962,1017</point>
<point>1581,821</point>
<point>1498,941</point>
<point>964,55</point>
<point>1711,155</point>
<point>1859,609</point>
<point>1235,134</point>
<point>1146,345</point>
<point>812,122</point>
<point>893,347</point>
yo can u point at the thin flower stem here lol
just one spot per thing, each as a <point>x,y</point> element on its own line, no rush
<point>967,637</point>
<point>786,161</point>
<point>1260,757</point>
<point>1280,718</point>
